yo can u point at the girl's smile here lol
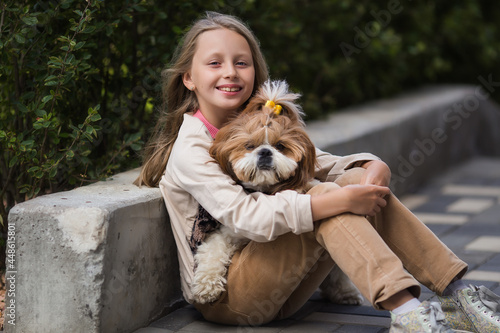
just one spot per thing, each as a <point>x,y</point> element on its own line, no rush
<point>222,74</point>
<point>230,88</point>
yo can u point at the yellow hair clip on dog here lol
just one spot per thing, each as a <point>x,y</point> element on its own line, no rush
<point>275,107</point>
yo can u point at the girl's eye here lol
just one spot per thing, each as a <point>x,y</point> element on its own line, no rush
<point>214,63</point>
<point>280,146</point>
<point>241,63</point>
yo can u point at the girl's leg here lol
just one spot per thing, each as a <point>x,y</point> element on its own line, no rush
<point>357,248</point>
<point>270,280</point>
<point>430,261</point>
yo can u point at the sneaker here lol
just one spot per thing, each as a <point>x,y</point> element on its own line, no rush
<point>427,318</point>
<point>475,309</point>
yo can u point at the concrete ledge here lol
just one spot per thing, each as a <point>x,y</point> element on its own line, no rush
<point>419,135</point>
<point>102,258</point>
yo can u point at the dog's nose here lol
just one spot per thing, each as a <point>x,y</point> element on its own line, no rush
<point>265,152</point>
<point>265,159</point>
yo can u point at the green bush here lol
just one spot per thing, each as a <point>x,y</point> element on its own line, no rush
<point>67,95</point>
<point>79,80</point>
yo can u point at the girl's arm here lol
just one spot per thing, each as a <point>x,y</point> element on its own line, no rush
<point>356,199</point>
<point>363,199</point>
<point>331,166</point>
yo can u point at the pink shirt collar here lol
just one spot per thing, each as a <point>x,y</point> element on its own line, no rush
<point>211,128</point>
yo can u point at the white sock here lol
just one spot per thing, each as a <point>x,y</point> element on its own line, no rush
<point>407,307</point>
<point>454,286</point>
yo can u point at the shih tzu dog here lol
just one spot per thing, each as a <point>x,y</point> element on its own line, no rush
<point>266,149</point>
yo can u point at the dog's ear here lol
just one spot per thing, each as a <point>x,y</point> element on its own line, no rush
<point>307,165</point>
<point>217,151</point>
<point>220,150</point>
<point>255,104</point>
<point>309,162</point>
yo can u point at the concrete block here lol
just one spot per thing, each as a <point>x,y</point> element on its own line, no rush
<point>100,258</point>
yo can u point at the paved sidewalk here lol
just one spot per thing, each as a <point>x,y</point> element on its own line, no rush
<point>461,206</point>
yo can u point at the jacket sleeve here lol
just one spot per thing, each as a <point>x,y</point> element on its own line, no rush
<point>332,166</point>
<point>256,216</point>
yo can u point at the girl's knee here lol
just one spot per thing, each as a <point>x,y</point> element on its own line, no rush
<point>350,177</point>
<point>323,188</point>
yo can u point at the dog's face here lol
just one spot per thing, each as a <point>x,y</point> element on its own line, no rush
<point>265,151</point>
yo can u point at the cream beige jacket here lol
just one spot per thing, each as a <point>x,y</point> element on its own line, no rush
<point>193,177</point>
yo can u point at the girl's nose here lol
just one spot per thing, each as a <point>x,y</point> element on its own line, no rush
<point>230,72</point>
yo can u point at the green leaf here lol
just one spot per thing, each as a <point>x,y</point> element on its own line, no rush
<point>28,143</point>
<point>47,98</point>
<point>134,137</point>
<point>30,20</point>
<point>70,59</point>
<point>139,8</point>
<point>41,113</point>
<point>22,108</point>
<point>88,136</point>
<point>13,161</point>
<point>79,45</point>
<point>95,117</point>
<point>70,154</point>
<point>37,190</point>
<point>33,169</point>
<point>19,38</point>
<point>135,146</point>
<point>28,95</point>
<point>127,18</point>
<point>88,30</point>
<point>53,172</point>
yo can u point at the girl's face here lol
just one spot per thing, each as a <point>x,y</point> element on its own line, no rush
<point>222,74</point>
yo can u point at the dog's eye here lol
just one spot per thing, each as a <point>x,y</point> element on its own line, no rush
<point>280,146</point>
<point>249,146</point>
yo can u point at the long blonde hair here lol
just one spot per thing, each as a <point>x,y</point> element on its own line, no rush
<point>177,99</point>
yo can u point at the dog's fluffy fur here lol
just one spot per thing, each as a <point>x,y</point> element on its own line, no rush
<point>267,152</point>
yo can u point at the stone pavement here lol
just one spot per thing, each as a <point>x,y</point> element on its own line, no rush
<point>461,206</point>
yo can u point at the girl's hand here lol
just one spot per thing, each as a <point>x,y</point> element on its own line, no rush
<point>377,173</point>
<point>365,199</point>
<point>357,199</point>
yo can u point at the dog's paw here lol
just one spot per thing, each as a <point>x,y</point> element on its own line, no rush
<point>339,289</point>
<point>208,290</point>
<point>352,297</point>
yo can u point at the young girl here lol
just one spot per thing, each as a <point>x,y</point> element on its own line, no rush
<point>295,238</point>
